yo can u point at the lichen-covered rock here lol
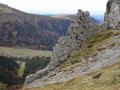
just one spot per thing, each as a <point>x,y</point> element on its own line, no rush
<point>112,15</point>
<point>79,30</point>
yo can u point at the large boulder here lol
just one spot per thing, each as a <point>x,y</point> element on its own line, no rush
<point>112,14</point>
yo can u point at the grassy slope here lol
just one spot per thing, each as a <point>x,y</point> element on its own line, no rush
<point>89,47</point>
<point>21,69</point>
<point>23,52</point>
<point>107,78</point>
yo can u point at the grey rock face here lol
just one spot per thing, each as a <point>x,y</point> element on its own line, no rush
<point>112,14</point>
<point>79,30</point>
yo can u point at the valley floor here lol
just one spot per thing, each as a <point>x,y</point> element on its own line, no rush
<point>23,52</point>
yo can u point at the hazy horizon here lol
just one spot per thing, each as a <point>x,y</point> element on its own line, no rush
<point>95,7</point>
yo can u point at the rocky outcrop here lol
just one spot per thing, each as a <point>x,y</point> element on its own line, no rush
<point>112,15</point>
<point>79,30</point>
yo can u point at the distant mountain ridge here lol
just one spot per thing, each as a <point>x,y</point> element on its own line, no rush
<point>100,18</point>
<point>70,16</point>
<point>64,16</point>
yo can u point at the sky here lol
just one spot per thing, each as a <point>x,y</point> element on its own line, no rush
<point>95,7</point>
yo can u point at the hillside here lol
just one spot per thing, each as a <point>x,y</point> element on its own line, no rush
<point>86,47</point>
<point>29,30</point>
<point>106,78</point>
<point>40,32</point>
<point>70,17</point>
<point>97,51</point>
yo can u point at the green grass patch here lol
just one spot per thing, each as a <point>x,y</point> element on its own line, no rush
<point>23,52</point>
<point>98,38</point>
<point>21,69</point>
